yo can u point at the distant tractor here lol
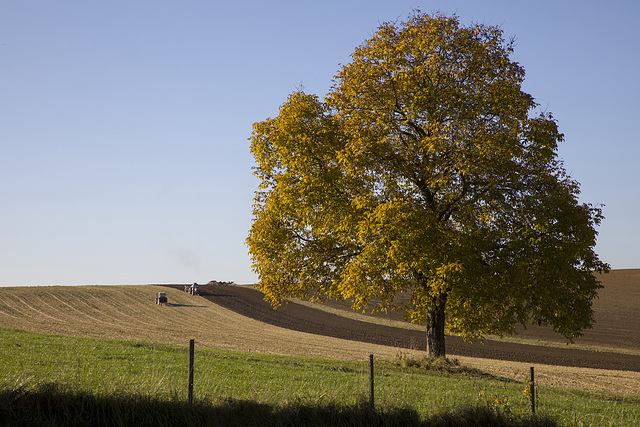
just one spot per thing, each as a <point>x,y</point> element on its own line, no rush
<point>161,298</point>
<point>192,289</point>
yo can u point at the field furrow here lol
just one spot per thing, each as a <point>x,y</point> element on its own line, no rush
<point>81,314</point>
<point>34,308</point>
<point>113,312</point>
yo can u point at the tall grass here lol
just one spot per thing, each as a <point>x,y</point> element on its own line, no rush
<point>93,381</point>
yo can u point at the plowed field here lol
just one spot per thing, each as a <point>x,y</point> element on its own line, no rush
<point>614,342</point>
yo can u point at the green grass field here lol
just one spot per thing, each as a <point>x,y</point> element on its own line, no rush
<point>60,380</point>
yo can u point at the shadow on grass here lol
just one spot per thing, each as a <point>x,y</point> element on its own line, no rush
<point>53,405</point>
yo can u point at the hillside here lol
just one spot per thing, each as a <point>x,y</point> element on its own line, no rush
<point>617,318</point>
<point>308,318</point>
<point>129,312</point>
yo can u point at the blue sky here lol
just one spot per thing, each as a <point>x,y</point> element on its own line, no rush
<point>123,125</point>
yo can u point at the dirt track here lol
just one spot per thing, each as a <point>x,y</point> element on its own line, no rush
<point>248,302</point>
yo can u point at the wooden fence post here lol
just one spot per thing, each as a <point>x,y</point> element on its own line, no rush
<point>191,354</point>
<point>532,392</point>
<point>371,399</point>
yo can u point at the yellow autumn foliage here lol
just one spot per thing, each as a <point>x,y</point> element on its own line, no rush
<point>425,181</point>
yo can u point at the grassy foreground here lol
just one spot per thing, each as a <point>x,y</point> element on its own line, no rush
<point>61,380</point>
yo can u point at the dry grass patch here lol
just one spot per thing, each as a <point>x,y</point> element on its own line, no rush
<point>624,382</point>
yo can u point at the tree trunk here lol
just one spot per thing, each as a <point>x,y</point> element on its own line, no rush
<point>435,326</point>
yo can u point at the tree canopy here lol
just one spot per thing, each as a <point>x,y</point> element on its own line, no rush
<point>425,181</point>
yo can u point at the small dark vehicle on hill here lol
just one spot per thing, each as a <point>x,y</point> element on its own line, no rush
<point>161,298</point>
<point>192,289</point>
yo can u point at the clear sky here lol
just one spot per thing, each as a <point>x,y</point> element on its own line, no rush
<point>123,124</point>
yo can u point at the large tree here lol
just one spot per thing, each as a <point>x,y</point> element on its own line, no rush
<point>425,181</point>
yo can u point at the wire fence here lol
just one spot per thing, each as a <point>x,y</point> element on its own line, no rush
<point>196,375</point>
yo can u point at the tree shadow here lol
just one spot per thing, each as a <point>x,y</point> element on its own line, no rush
<point>52,404</point>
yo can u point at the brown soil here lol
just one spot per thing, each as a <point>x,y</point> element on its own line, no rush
<point>617,326</point>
